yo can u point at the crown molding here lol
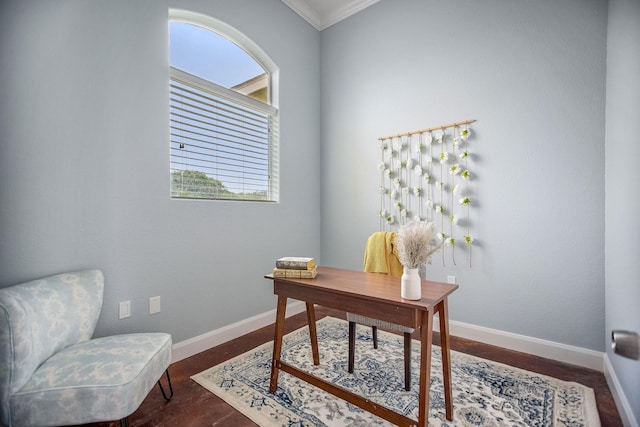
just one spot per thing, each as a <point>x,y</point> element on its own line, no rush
<point>320,20</point>
<point>305,11</point>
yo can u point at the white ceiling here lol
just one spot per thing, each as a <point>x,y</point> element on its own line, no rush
<point>324,13</point>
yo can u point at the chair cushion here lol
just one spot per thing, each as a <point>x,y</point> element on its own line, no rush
<point>369,321</point>
<point>102,379</point>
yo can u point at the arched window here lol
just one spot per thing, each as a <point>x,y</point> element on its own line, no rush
<point>223,115</point>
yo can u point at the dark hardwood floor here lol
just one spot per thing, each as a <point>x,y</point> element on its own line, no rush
<point>192,405</point>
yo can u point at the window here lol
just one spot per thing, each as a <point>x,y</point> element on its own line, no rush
<point>223,118</point>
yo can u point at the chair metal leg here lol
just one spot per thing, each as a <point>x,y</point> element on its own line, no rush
<point>374,333</point>
<point>407,361</point>
<point>162,388</point>
<point>352,345</point>
<point>124,422</point>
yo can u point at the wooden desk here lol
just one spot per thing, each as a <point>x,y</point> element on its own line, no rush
<point>377,296</point>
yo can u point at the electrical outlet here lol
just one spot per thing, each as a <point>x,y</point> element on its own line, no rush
<point>154,305</point>
<point>125,309</point>
<point>451,279</point>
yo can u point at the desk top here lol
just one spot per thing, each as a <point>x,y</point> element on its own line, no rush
<point>373,287</point>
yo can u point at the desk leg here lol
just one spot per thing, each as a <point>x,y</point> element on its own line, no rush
<point>313,334</point>
<point>426,335</point>
<point>277,342</point>
<point>445,347</point>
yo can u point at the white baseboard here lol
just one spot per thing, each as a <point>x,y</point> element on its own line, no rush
<point>551,350</point>
<point>203,342</point>
<point>624,407</point>
<point>548,349</point>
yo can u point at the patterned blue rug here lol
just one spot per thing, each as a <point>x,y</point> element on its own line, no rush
<point>485,393</point>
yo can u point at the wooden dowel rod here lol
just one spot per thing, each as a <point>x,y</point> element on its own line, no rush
<point>466,122</point>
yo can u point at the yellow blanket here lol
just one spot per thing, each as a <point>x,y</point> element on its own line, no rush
<point>380,255</point>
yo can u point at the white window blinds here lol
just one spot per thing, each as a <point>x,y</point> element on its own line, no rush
<point>223,144</point>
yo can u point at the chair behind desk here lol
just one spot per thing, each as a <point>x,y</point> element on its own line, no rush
<point>380,257</point>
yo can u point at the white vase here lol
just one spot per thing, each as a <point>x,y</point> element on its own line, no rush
<point>410,284</point>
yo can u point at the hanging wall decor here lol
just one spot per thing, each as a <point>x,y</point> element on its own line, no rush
<point>424,175</point>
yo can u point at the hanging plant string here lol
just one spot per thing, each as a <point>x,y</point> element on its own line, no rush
<point>443,158</point>
<point>419,185</point>
<point>407,181</point>
<point>466,200</point>
<point>382,167</point>
<point>402,203</point>
<point>427,177</point>
<point>389,174</point>
<point>453,171</point>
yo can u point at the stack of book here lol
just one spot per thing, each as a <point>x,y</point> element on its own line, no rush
<point>298,267</point>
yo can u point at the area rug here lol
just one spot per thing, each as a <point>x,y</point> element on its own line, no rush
<point>485,393</point>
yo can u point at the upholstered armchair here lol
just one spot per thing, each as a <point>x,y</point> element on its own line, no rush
<point>52,373</point>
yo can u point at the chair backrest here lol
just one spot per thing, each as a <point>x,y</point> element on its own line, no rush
<point>40,318</point>
<point>380,255</point>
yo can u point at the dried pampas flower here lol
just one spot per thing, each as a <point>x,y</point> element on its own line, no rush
<point>415,243</point>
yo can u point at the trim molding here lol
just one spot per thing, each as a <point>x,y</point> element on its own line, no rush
<point>624,407</point>
<point>307,13</point>
<point>548,349</point>
<point>313,14</point>
<point>348,9</point>
<point>203,342</point>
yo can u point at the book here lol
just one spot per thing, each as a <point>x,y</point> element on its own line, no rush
<point>298,274</point>
<point>295,263</point>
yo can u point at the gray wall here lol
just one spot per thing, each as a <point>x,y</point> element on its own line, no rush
<point>622,196</point>
<point>533,75</point>
<point>84,162</point>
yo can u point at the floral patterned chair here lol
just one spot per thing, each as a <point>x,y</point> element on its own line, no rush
<point>53,373</point>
